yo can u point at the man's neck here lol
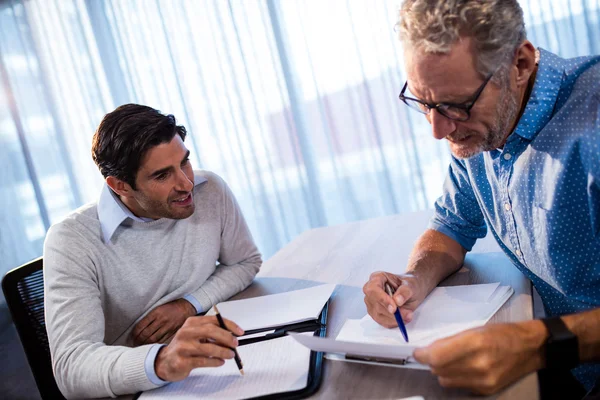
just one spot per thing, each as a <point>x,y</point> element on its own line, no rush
<point>524,99</point>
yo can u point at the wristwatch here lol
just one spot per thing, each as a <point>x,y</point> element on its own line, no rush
<point>562,346</point>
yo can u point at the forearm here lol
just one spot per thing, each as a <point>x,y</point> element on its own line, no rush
<point>226,281</point>
<point>433,258</point>
<point>586,325</point>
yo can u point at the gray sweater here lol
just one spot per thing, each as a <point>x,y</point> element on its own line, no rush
<point>95,292</point>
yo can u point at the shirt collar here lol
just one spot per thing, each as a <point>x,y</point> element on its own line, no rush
<point>540,107</point>
<point>112,212</point>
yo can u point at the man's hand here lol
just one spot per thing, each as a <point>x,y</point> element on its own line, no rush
<point>486,359</point>
<point>161,323</point>
<point>199,343</point>
<point>381,306</point>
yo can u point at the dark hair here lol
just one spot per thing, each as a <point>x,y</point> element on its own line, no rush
<point>126,134</point>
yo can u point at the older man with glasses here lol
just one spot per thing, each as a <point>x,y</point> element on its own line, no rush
<point>523,126</point>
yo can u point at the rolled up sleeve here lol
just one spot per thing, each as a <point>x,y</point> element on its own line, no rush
<point>457,212</point>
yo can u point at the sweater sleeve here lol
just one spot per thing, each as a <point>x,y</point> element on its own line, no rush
<point>84,366</point>
<point>239,258</point>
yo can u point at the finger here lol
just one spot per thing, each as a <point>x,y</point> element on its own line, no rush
<point>403,294</point>
<point>166,335</point>
<point>407,315</point>
<point>212,319</point>
<point>143,324</point>
<point>213,350</point>
<point>200,331</point>
<point>150,330</point>
<point>446,351</point>
<point>374,293</point>
<point>377,311</point>
<point>384,319</point>
<point>233,327</point>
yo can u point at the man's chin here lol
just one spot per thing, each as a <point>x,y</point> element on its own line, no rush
<point>182,212</point>
<point>464,152</point>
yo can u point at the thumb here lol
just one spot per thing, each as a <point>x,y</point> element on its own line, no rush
<point>422,355</point>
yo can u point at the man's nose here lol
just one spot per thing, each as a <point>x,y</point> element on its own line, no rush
<point>440,125</point>
<point>184,184</point>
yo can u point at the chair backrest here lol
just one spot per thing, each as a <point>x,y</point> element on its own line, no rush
<point>23,288</point>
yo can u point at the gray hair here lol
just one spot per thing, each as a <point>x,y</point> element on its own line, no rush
<point>496,27</point>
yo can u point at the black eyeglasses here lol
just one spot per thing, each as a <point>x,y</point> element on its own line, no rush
<point>458,112</point>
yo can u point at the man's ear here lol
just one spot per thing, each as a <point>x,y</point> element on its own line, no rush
<point>120,187</point>
<point>524,63</point>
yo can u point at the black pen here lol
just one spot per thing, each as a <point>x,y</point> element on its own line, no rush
<point>237,358</point>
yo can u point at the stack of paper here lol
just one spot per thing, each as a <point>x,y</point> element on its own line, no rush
<point>277,309</point>
<point>446,311</point>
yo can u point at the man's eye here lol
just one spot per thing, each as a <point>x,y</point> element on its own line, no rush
<point>161,177</point>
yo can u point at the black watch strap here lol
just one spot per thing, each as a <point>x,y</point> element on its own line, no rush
<point>562,346</point>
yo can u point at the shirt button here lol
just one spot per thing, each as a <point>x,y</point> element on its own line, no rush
<point>507,156</point>
<point>507,206</point>
<point>518,253</point>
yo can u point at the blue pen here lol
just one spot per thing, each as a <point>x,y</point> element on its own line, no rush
<point>389,291</point>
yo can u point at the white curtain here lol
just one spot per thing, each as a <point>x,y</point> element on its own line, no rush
<point>294,103</point>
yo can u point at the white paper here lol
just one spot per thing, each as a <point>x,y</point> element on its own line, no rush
<point>277,309</point>
<point>272,366</point>
<point>327,345</point>
<point>446,311</point>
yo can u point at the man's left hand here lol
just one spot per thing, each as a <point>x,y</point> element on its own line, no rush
<point>162,323</point>
<point>486,359</point>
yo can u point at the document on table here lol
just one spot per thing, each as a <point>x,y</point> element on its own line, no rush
<point>446,311</point>
<point>271,366</point>
<point>277,309</point>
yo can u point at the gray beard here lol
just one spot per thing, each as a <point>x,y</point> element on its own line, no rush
<point>506,112</point>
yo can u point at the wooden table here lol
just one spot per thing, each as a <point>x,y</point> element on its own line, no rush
<point>346,255</point>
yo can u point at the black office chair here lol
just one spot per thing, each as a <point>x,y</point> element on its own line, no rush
<point>23,288</point>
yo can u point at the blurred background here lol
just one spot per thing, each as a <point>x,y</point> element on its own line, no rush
<point>294,103</point>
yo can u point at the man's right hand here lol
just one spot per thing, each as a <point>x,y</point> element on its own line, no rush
<point>200,342</point>
<point>381,306</point>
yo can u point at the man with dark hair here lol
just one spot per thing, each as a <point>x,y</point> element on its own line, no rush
<point>125,277</point>
<point>523,126</point>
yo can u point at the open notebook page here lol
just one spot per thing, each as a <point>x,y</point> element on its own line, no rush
<point>277,309</point>
<point>446,311</point>
<point>271,366</point>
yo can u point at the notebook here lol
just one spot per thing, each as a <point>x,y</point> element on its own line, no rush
<point>271,366</point>
<point>276,310</point>
<point>446,311</point>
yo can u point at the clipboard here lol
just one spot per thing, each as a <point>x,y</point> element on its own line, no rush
<point>364,353</point>
<point>315,369</point>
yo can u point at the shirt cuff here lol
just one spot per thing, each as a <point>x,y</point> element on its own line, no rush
<point>464,241</point>
<point>149,365</point>
<point>194,302</point>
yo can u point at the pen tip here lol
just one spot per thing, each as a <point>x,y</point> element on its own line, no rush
<point>242,372</point>
<point>216,309</point>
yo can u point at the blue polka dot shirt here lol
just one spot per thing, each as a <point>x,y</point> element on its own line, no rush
<point>540,195</point>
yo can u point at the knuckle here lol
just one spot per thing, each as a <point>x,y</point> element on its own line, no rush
<point>375,274</point>
<point>483,363</point>
<point>489,385</point>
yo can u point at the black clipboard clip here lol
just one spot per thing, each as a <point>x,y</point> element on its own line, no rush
<point>378,360</point>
